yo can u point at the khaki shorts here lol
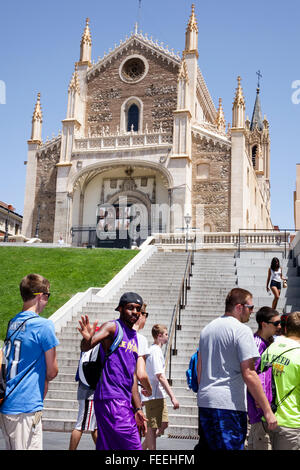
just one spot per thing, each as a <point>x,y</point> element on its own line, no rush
<point>258,438</point>
<point>22,431</point>
<point>156,412</point>
<point>283,438</point>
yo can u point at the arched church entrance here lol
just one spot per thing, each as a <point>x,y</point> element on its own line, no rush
<point>116,207</point>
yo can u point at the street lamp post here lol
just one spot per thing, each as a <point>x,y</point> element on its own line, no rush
<point>187,219</point>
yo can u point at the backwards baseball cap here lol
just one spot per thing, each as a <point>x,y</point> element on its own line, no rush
<point>130,298</point>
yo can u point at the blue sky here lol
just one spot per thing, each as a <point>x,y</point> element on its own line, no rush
<point>40,43</point>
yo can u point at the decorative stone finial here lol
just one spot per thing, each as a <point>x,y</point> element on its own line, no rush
<point>220,119</point>
<point>86,44</point>
<point>191,35</point>
<point>37,119</point>
<point>239,97</point>
<point>37,114</point>
<point>192,25</point>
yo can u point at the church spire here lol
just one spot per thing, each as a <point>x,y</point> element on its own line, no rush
<point>257,120</point>
<point>86,45</point>
<point>37,119</point>
<point>191,35</point>
<point>238,109</point>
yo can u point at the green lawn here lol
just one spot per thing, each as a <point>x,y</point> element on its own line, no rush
<point>69,270</point>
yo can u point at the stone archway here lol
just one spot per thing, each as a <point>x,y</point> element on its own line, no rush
<point>106,184</point>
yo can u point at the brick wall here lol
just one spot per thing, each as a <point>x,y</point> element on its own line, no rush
<point>107,92</point>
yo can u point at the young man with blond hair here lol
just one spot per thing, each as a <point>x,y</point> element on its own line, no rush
<point>156,405</point>
<point>31,363</point>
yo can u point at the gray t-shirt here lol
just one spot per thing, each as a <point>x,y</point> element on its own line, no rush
<point>224,344</point>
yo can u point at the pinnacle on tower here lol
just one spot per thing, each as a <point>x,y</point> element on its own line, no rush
<point>37,119</point>
<point>86,45</point>
<point>37,114</point>
<point>238,109</point>
<point>239,99</point>
<point>220,119</point>
<point>191,35</point>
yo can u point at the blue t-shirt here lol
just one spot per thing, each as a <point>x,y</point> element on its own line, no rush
<point>25,353</point>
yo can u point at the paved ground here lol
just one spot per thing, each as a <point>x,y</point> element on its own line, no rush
<point>60,441</point>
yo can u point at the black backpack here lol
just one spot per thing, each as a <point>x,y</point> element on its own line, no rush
<point>90,365</point>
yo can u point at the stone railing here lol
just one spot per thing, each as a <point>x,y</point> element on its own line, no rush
<point>238,240</point>
<point>123,141</point>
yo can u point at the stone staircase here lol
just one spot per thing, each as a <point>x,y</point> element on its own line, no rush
<point>158,282</point>
<point>214,274</point>
<point>252,270</point>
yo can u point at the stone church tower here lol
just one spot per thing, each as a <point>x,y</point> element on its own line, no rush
<point>142,141</point>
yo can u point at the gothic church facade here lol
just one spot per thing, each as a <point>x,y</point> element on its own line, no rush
<point>142,131</point>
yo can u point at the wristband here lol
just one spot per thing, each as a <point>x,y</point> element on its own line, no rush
<point>137,409</point>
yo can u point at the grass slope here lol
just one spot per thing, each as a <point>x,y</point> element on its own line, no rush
<point>69,270</point>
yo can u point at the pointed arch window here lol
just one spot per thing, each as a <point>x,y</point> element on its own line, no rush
<point>133,118</point>
<point>254,150</point>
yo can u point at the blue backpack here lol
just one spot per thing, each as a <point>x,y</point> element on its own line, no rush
<point>191,373</point>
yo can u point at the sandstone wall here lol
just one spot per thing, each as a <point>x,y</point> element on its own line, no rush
<point>211,168</point>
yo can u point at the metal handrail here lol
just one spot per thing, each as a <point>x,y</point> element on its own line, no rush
<point>175,324</point>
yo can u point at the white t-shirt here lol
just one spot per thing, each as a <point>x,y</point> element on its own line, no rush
<point>224,344</point>
<point>143,349</point>
<point>155,364</point>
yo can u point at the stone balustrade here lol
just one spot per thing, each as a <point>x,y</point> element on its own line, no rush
<point>243,239</point>
<point>124,141</point>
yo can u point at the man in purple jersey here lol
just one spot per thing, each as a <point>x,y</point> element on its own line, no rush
<point>117,403</point>
<point>268,321</point>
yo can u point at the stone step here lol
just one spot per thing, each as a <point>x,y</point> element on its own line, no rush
<point>263,262</point>
<point>58,384</point>
<point>258,281</point>
<point>183,420</point>
<point>58,424</point>
<point>58,404</point>
<point>261,271</point>
<point>187,432</point>
<point>55,413</point>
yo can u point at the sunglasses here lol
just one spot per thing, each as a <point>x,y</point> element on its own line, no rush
<point>145,314</point>
<point>275,323</point>
<point>251,307</point>
<point>44,293</point>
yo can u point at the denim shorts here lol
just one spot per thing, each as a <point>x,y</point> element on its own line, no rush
<point>276,284</point>
<point>222,429</point>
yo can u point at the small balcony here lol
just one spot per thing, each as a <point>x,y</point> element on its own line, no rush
<point>129,140</point>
